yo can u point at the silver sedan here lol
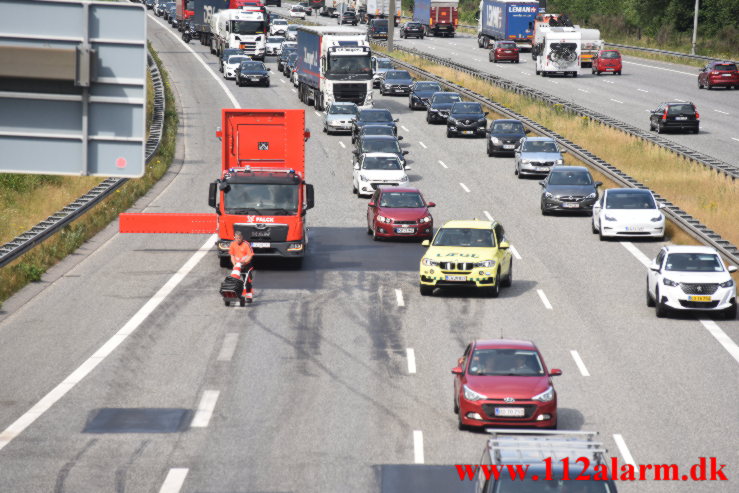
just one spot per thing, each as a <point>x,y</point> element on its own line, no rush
<point>339,117</point>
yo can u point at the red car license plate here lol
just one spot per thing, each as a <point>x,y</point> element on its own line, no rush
<point>514,412</point>
<point>405,230</point>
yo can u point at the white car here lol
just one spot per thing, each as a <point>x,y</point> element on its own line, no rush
<point>278,26</point>
<point>628,212</point>
<point>274,45</point>
<point>691,278</point>
<point>297,11</point>
<point>378,168</point>
<point>233,62</point>
<point>292,32</point>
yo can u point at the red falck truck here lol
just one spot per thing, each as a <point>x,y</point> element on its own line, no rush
<point>260,191</point>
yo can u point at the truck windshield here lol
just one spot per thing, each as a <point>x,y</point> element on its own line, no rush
<point>247,27</point>
<point>342,65</point>
<point>261,198</point>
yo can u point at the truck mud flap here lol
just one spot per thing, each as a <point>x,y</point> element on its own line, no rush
<point>167,223</point>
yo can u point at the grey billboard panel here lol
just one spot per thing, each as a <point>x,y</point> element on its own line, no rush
<point>88,98</point>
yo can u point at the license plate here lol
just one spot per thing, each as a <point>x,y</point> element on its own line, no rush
<point>398,90</point>
<point>725,75</point>
<point>261,245</point>
<point>699,298</point>
<point>509,146</point>
<point>509,411</point>
<point>254,78</point>
<point>570,205</point>
<point>455,278</point>
<point>467,132</point>
<point>507,51</point>
<point>405,230</point>
<point>634,228</point>
<point>681,118</point>
<point>542,168</point>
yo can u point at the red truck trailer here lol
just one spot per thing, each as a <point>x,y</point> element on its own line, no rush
<point>260,191</point>
<point>438,17</point>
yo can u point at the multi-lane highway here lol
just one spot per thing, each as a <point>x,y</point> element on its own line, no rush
<point>340,372</point>
<point>629,97</point>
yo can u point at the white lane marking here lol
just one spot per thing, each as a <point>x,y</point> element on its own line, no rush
<point>733,138</point>
<point>617,101</point>
<point>679,100</point>
<point>721,336</point>
<point>432,47</point>
<point>464,187</point>
<point>642,90</point>
<point>722,112</point>
<point>229,346</point>
<point>342,144</point>
<point>282,80</point>
<point>648,111</point>
<point>174,480</point>
<point>405,129</point>
<point>608,81</point>
<point>553,81</point>
<point>317,113</point>
<point>487,214</point>
<point>55,394</point>
<point>580,365</point>
<point>515,253</point>
<point>621,444</point>
<point>213,74</point>
<point>399,297</point>
<point>660,68</point>
<point>293,89</point>
<point>636,253</point>
<point>205,409</point>
<point>445,166</point>
<point>422,144</point>
<point>418,446</point>
<point>544,299</point>
<point>411,355</point>
<point>583,90</point>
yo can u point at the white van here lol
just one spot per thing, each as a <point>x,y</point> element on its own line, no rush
<point>560,52</point>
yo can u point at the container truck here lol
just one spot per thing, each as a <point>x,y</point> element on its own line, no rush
<point>185,11</point>
<point>334,65</point>
<point>438,17</point>
<point>203,10</point>
<point>380,9</point>
<point>590,44</point>
<point>560,52</point>
<point>244,28</point>
<point>506,20</point>
<point>260,189</point>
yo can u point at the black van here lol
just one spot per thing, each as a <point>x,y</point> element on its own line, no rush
<point>377,28</point>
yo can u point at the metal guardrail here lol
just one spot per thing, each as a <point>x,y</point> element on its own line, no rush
<point>684,220</point>
<point>46,228</point>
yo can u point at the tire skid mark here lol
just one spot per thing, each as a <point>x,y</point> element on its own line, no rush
<point>67,468</point>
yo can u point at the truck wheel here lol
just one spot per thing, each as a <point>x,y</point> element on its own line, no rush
<point>485,42</point>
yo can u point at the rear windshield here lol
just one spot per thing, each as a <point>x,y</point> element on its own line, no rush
<point>681,109</point>
<point>570,178</point>
<point>610,54</point>
<point>508,127</point>
<point>630,200</point>
<point>447,98</point>
<point>539,146</point>
<point>413,24</point>
<point>725,66</point>
<point>693,262</point>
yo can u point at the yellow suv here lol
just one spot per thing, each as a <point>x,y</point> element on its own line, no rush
<point>467,254</point>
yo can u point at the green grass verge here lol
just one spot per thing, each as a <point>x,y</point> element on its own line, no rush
<point>32,265</point>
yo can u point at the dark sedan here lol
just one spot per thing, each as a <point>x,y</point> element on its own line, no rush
<point>675,116</point>
<point>439,106</point>
<point>504,135</point>
<point>466,119</point>
<point>373,117</point>
<point>378,143</point>
<point>348,17</point>
<point>411,30</point>
<point>421,92</point>
<point>569,189</point>
<point>252,73</point>
<point>284,55</point>
<point>287,67</point>
<point>396,82</point>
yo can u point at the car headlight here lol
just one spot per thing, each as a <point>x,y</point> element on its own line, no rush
<point>668,282</point>
<point>548,195</point>
<point>363,178</point>
<point>545,396</point>
<point>386,86</point>
<point>560,161</point>
<point>383,219</point>
<point>609,218</point>
<point>451,120</point>
<point>525,161</point>
<point>657,219</point>
<point>591,196</point>
<point>482,120</point>
<point>485,263</point>
<point>428,262</point>
<point>496,141</point>
<point>426,219</point>
<point>727,284</point>
<point>471,395</point>
<point>433,110</point>
<point>404,178</point>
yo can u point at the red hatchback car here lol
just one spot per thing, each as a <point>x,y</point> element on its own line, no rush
<point>504,383</point>
<point>607,61</point>
<point>399,212</point>
<point>719,74</point>
<point>504,51</point>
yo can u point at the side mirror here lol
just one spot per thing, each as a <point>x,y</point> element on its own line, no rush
<point>732,269</point>
<point>598,184</point>
<point>555,372</point>
<point>400,137</point>
<point>426,243</point>
<point>486,113</point>
<point>457,371</point>
<point>396,120</point>
<point>660,205</point>
<point>405,153</point>
<point>356,166</point>
<point>527,131</point>
<point>563,151</point>
<point>406,167</point>
<point>654,266</point>
<point>310,197</point>
<point>542,183</point>
<point>433,204</point>
<point>371,203</point>
<point>212,191</point>
<point>504,245</point>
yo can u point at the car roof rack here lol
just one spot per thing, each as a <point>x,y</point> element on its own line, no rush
<point>533,446</point>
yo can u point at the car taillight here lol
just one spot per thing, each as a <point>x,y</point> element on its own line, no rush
<point>715,72</point>
<point>697,115</point>
<point>664,115</point>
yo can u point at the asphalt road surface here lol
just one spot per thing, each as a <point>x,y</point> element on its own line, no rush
<point>123,371</point>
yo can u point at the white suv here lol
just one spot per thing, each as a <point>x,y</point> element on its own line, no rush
<point>691,278</point>
<point>375,169</point>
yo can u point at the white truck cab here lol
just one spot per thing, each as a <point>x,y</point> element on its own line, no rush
<point>239,28</point>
